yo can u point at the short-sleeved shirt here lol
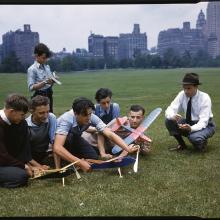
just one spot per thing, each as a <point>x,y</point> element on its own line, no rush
<point>67,121</point>
<point>37,73</point>
<point>100,112</point>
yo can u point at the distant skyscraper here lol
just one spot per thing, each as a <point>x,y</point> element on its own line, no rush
<point>0,54</point>
<point>132,44</point>
<point>96,45</point>
<point>22,43</point>
<point>201,21</point>
<point>213,28</point>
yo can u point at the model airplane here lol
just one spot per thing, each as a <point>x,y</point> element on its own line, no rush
<point>112,163</point>
<point>135,133</point>
<point>55,78</point>
<point>95,164</point>
<point>55,173</point>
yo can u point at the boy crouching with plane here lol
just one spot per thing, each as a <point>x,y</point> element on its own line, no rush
<point>135,118</point>
<point>70,145</point>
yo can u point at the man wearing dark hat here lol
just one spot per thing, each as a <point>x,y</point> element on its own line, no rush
<point>197,125</point>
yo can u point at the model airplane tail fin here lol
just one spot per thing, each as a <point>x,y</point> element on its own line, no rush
<point>118,123</point>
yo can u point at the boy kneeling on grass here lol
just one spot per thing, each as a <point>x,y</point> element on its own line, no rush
<point>16,163</point>
<point>134,119</point>
<point>69,144</point>
<point>41,128</point>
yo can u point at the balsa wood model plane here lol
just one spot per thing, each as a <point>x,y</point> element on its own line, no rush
<point>135,133</point>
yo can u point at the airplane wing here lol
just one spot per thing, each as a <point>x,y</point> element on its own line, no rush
<point>143,126</point>
<point>150,118</point>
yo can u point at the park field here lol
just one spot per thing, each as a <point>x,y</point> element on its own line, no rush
<point>167,183</point>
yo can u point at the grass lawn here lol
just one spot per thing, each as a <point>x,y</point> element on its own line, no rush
<point>167,183</point>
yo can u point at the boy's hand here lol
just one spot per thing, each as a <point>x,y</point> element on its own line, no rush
<point>106,156</point>
<point>177,117</point>
<point>50,81</point>
<point>84,165</point>
<point>28,170</point>
<point>133,148</point>
<point>185,127</point>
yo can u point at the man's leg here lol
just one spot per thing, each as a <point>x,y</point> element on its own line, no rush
<point>39,156</point>
<point>199,138</point>
<point>11,177</point>
<point>172,127</point>
<point>79,147</point>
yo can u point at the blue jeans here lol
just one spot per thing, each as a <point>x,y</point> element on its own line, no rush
<point>11,177</point>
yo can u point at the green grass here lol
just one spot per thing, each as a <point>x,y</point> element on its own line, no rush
<point>167,183</point>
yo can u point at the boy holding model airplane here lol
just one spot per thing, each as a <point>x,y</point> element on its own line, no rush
<point>40,78</point>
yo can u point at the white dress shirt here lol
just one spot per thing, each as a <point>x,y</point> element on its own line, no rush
<point>201,108</point>
<point>4,117</point>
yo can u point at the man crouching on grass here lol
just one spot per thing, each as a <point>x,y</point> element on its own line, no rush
<point>69,144</point>
<point>16,163</point>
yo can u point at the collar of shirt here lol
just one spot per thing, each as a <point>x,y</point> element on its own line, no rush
<point>38,65</point>
<point>193,97</point>
<point>102,111</point>
<point>4,118</point>
<point>30,122</point>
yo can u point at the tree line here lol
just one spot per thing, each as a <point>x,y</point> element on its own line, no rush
<point>170,59</point>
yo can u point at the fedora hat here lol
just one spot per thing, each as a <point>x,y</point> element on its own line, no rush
<point>191,79</point>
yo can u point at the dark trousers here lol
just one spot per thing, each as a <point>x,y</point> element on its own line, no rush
<point>11,177</point>
<point>79,147</point>
<point>39,156</point>
<point>48,93</point>
<point>197,138</point>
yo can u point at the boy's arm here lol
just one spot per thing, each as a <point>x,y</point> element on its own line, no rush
<point>32,85</point>
<point>101,147</point>
<point>59,149</point>
<point>5,158</point>
<point>119,141</point>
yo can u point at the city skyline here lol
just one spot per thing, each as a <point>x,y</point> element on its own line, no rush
<point>73,23</point>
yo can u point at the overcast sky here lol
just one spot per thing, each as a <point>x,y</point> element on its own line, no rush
<point>69,25</point>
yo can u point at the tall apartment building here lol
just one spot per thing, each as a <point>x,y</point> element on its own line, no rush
<point>184,39</point>
<point>96,45</point>
<point>20,42</point>
<point>132,43</point>
<point>213,28</point>
<point>111,47</point>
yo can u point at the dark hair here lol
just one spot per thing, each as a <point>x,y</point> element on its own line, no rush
<point>103,93</point>
<point>137,108</point>
<point>40,49</point>
<point>81,105</point>
<point>17,102</point>
<point>38,101</point>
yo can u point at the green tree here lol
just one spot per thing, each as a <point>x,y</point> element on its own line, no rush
<point>186,59</point>
<point>11,64</point>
